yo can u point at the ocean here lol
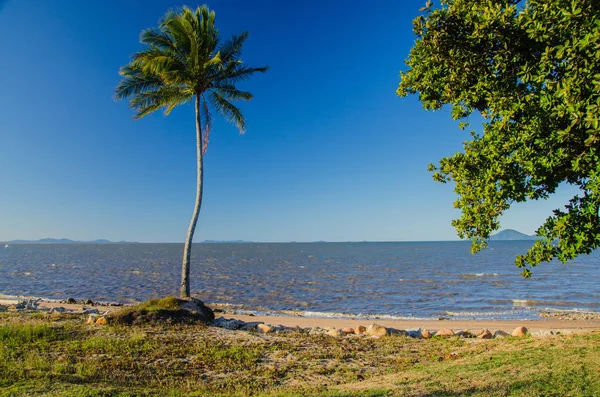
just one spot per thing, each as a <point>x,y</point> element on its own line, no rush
<point>416,280</point>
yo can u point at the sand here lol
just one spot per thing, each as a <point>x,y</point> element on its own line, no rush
<point>531,325</point>
<point>542,324</point>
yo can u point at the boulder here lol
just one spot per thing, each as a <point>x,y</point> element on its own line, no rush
<point>101,321</point>
<point>425,334</point>
<point>251,326</point>
<point>397,332</point>
<point>361,329</point>
<point>347,330</point>
<point>317,331</point>
<point>485,334</point>
<point>445,332</point>
<point>500,334</point>
<point>376,331</point>
<point>335,332</point>
<point>197,308</point>
<point>519,332</point>
<point>414,333</point>
<point>231,324</point>
<point>465,333</point>
<point>264,328</point>
<point>70,301</point>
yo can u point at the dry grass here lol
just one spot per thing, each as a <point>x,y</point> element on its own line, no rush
<point>41,356</point>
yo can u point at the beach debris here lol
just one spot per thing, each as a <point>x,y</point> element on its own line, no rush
<point>265,328</point>
<point>500,334</point>
<point>92,319</point>
<point>376,331</point>
<point>89,302</point>
<point>58,310</point>
<point>485,334</point>
<point>101,321</point>
<point>445,332</point>
<point>28,304</point>
<point>70,301</point>
<point>361,329</point>
<point>519,332</point>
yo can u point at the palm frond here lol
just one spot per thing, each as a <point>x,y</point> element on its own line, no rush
<point>231,50</point>
<point>229,111</point>
<point>239,73</point>
<point>135,81</point>
<point>156,38</point>
<point>229,92</point>
<point>150,101</point>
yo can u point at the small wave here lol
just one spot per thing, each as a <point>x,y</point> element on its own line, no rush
<point>491,315</point>
<point>245,310</point>
<point>535,302</point>
<point>475,275</point>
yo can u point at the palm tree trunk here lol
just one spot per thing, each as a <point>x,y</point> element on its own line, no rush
<point>185,268</point>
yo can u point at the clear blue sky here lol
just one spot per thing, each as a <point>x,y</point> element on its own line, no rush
<point>330,152</point>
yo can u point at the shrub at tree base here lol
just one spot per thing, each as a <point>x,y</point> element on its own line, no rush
<point>169,310</point>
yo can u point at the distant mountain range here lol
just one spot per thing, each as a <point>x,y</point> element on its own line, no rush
<point>510,234</point>
<point>226,241</point>
<point>65,241</point>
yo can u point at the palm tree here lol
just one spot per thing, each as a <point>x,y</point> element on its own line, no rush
<point>184,60</point>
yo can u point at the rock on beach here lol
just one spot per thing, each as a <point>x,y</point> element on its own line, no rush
<point>445,332</point>
<point>376,331</point>
<point>519,332</point>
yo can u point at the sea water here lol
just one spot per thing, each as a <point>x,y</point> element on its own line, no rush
<point>385,280</point>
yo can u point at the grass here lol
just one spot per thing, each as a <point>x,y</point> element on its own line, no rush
<point>45,356</point>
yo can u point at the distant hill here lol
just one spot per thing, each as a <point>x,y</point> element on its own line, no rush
<point>226,241</point>
<point>63,241</point>
<point>510,234</point>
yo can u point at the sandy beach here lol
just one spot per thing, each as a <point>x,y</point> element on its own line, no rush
<point>542,324</point>
<point>531,325</point>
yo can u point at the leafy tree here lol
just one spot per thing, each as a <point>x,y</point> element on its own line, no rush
<point>532,70</point>
<point>183,60</point>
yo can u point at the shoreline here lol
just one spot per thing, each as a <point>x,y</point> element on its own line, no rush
<point>556,324</point>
